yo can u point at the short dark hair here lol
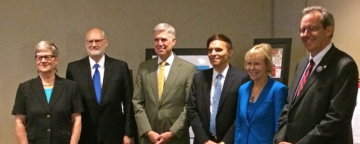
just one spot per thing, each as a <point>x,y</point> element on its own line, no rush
<point>220,37</point>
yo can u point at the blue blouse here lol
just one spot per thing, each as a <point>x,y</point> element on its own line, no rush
<point>48,94</point>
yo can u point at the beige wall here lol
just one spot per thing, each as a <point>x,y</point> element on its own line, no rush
<point>128,24</point>
<point>287,15</point>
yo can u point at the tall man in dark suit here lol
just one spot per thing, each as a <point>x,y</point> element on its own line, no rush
<point>214,95</point>
<point>162,92</point>
<point>106,87</point>
<point>323,93</point>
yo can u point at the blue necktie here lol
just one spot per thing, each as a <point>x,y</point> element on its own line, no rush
<point>97,83</point>
<point>216,100</point>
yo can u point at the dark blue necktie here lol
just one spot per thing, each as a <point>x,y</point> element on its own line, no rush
<point>216,100</point>
<point>97,83</point>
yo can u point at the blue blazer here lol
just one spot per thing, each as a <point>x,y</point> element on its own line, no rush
<point>260,126</point>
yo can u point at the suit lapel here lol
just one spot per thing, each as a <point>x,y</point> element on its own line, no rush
<point>299,72</point>
<point>171,78</point>
<point>207,89</point>
<point>153,78</point>
<point>56,93</point>
<point>244,100</point>
<point>107,73</point>
<point>325,61</point>
<point>229,79</point>
<point>87,74</point>
<point>40,93</point>
<point>263,94</point>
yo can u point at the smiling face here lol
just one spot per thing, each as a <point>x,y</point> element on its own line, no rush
<point>96,43</point>
<point>219,54</point>
<point>256,68</point>
<point>313,35</point>
<point>163,43</point>
<point>46,61</point>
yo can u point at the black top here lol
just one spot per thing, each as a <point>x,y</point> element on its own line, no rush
<point>48,122</point>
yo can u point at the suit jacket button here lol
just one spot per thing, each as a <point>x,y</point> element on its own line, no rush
<point>48,116</point>
<point>48,130</point>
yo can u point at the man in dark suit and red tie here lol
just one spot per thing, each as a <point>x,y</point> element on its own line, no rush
<point>214,95</point>
<point>106,86</point>
<point>322,96</point>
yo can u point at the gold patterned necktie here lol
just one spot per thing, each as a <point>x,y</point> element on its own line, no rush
<point>161,78</point>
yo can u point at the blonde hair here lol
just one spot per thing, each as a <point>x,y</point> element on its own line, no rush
<point>261,51</point>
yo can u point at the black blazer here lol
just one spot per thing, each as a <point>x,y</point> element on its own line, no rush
<point>106,122</point>
<point>199,105</point>
<point>48,122</point>
<point>323,110</point>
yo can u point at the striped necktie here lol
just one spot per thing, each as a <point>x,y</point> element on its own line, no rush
<point>304,77</point>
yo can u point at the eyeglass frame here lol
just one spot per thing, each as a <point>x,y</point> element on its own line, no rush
<point>47,58</point>
<point>97,41</point>
<point>310,29</point>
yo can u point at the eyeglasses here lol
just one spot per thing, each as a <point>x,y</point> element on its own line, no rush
<point>97,41</point>
<point>46,57</point>
<point>310,29</point>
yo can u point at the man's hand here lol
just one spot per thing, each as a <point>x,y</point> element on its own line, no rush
<point>284,143</point>
<point>153,136</point>
<point>165,137</point>
<point>210,142</point>
<point>127,140</point>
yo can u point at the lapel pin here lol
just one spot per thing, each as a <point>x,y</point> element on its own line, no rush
<point>324,66</point>
<point>319,69</point>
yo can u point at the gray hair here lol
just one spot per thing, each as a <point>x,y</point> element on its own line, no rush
<point>45,45</point>
<point>327,19</point>
<point>164,27</point>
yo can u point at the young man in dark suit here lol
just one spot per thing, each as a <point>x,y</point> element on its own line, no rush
<point>214,95</point>
<point>322,96</point>
<point>106,89</point>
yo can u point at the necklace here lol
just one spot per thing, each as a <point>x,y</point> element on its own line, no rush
<point>252,97</point>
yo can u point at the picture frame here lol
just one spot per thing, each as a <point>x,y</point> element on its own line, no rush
<point>281,52</point>
<point>196,56</point>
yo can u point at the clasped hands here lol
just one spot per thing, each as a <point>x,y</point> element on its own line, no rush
<point>163,138</point>
<point>284,143</point>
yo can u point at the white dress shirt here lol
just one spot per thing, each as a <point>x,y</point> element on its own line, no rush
<point>319,56</point>
<point>101,68</point>
<point>215,73</point>
<point>168,64</point>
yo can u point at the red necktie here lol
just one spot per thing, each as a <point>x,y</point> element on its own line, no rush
<point>304,77</point>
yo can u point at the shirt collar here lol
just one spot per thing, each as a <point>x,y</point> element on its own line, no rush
<point>101,62</point>
<point>169,61</point>
<point>223,73</point>
<point>321,54</point>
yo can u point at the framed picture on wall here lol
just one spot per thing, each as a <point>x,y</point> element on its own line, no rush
<point>196,56</point>
<point>281,52</point>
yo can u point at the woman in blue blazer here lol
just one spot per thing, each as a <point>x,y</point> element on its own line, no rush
<point>260,101</point>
